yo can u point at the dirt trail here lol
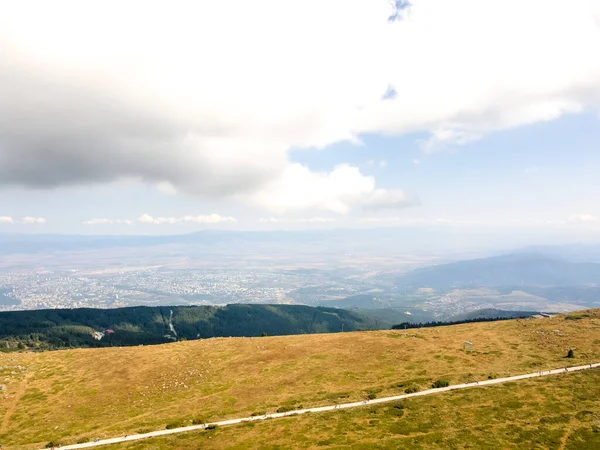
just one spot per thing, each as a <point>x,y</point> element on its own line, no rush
<point>135,437</point>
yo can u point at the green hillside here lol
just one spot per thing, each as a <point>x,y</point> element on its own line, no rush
<point>64,328</point>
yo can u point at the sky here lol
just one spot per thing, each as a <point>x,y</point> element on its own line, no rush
<point>143,117</point>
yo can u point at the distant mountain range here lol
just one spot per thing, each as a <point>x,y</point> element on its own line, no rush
<point>518,269</point>
<point>572,252</point>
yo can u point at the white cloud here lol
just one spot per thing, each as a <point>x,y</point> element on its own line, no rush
<point>97,221</point>
<point>583,218</point>
<point>405,221</point>
<point>28,220</point>
<point>302,220</point>
<point>212,218</point>
<point>32,220</point>
<point>337,191</point>
<point>212,105</point>
<point>378,219</point>
<point>148,219</point>
<point>383,164</point>
<point>318,220</point>
<point>105,221</point>
<point>208,219</point>
<point>489,222</point>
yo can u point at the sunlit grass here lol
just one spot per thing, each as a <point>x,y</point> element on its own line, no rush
<point>77,395</point>
<point>552,413</point>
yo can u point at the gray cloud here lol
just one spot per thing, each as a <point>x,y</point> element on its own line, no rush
<point>57,131</point>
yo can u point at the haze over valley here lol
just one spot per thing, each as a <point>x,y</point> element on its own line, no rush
<point>368,270</point>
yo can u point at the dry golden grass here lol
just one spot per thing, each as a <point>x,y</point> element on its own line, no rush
<point>562,412</point>
<point>77,395</point>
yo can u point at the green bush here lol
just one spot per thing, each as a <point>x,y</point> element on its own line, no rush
<point>283,409</point>
<point>396,411</point>
<point>570,353</point>
<point>576,316</point>
<point>258,413</point>
<point>371,395</point>
<point>197,421</point>
<point>411,389</point>
<point>172,425</point>
<point>212,426</point>
<point>440,384</point>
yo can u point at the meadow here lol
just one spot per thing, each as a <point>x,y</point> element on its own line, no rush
<point>558,413</point>
<point>71,396</point>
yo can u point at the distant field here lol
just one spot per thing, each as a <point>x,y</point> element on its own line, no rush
<point>78,395</point>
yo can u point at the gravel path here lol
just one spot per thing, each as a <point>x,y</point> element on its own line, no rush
<point>135,437</point>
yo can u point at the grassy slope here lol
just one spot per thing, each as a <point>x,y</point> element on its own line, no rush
<point>74,395</point>
<point>563,412</point>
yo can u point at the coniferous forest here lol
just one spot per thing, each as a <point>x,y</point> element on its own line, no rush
<point>64,328</point>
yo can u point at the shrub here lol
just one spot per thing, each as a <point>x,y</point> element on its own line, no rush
<point>570,353</point>
<point>258,413</point>
<point>172,425</point>
<point>197,421</point>
<point>585,416</point>
<point>371,395</point>
<point>411,389</point>
<point>397,410</point>
<point>212,426</point>
<point>440,384</point>
<point>283,409</point>
<point>264,334</point>
<point>575,317</point>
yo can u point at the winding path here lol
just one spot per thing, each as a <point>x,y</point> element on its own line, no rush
<point>135,437</point>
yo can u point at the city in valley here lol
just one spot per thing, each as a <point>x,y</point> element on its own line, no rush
<point>368,275</point>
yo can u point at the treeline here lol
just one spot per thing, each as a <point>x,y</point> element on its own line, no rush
<point>64,328</point>
<point>406,325</point>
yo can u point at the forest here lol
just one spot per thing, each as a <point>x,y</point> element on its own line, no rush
<point>52,329</point>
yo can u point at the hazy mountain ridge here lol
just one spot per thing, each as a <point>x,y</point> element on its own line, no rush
<point>506,270</point>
